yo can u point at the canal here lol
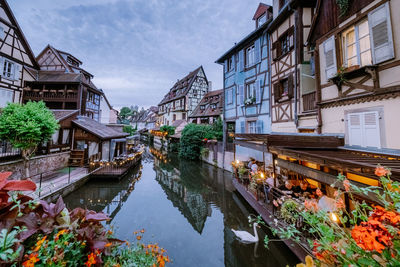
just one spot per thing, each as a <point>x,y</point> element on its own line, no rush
<point>188,208</point>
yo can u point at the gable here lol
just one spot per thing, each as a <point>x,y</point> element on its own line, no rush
<point>13,44</point>
<point>49,60</point>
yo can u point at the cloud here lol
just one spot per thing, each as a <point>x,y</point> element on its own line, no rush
<point>137,49</point>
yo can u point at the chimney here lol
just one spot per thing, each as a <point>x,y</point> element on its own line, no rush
<point>209,86</point>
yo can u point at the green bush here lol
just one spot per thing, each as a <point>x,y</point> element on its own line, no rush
<point>170,130</point>
<point>129,129</point>
<point>192,140</point>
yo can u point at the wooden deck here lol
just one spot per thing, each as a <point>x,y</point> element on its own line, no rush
<point>267,215</point>
<point>110,171</point>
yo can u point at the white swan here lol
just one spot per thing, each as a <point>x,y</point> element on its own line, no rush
<point>246,237</point>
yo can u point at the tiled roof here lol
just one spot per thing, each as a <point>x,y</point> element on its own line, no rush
<point>51,76</point>
<point>96,128</point>
<point>208,99</point>
<point>181,87</point>
<point>262,8</point>
<point>61,114</point>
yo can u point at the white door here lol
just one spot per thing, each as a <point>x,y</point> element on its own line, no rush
<point>363,129</point>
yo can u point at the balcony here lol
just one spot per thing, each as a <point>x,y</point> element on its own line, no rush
<point>51,96</point>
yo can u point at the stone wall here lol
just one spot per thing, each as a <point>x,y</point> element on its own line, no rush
<point>215,157</point>
<point>38,164</point>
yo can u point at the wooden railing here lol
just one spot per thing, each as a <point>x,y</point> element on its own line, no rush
<point>309,102</point>
<point>50,95</point>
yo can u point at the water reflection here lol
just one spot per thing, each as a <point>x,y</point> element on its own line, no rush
<point>189,208</point>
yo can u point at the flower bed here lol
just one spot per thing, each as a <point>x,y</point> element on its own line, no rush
<point>48,234</point>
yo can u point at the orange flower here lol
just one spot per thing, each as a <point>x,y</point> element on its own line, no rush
<point>139,237</point>
<point>91,260</point>
<point>346,184</point>
<point>311,205</point>
<point>381,171</point>
<point>40,243</point>
<point>340,204</point>
<point>142,231</point>
<point>372,235</point>
<point>31,261</point>
<point>108,245</point>
<point>109,232</point>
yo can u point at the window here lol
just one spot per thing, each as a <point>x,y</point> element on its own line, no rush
<point>229,96</point>
<point>251,90</point>
<point>183,116</point>
<point>174,117</point>
<point>202,107</point>
<point>8,70</point>
<point>6,96</point>
<point>284,44</point>
<point>252,127</point>
<point>213,106</point>
<point>231,63</point>
<point>283,89</point>
<point>363,129</point>
<point>250,56</point>
<point>357,45</point>
<point>262,20</point>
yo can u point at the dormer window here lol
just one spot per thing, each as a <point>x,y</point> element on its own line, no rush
<point>261,20</point>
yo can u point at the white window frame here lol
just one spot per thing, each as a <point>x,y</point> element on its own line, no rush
<point>251,55</point>
<point>357,40</point>
<point>251,90</point>
<point>229,98</point>
<point>252,127</point>
<point>262,20</point>
<point>11,67</point>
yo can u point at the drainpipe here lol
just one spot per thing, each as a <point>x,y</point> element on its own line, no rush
<point>296,17</point>
<point>224,128</point>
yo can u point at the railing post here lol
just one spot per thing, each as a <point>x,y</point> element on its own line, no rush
<point>40,184</point>
<point>69,174</point>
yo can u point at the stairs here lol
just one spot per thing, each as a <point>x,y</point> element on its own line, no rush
<point>77,158</point>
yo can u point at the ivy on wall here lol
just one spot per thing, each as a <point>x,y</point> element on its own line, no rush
<point>343,6</point>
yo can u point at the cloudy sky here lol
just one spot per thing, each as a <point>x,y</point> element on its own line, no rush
<point>137,49</point>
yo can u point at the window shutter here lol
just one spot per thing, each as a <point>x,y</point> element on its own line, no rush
<point>355,129</point>
<point>381,34</point>
<point>258,91</point>
<point>371,129</point>
<point>257,51</point>
<point>274,51</point>
<point>290,86</point>
<point>241,94</point>
<point>277,92</point>
<point>241,60</point>
<point>242,127</point>
<point>260,126</point>
<point>17,72</point>
<point>330,58</point>
<point>226,66</point>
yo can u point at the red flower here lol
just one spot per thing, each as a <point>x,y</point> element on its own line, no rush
<point>319,192</point>
<point>346,184</point>
<point>372,236</point>
<point>381,171</point>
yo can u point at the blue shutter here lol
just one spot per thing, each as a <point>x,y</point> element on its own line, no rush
<point>241,94</point>
<point>260,126</point>
<point>226,66</point>
<point>242,127</point>
<point>241,60</point>
<point>257,51</point>
<point>258,91</point>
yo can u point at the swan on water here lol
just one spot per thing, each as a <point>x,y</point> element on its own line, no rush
<point>246,237</point>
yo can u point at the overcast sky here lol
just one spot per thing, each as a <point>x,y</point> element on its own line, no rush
<point>137,49</point>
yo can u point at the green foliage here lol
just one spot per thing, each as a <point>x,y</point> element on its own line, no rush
<point>217,128</point>
<point>132,256</point>
<point>125,115</point>
<point>8,243</point>
<point>170,130</point>
<point>192,139</point>
<point>204,152</point>
<point>289,211</point>
<point>343,6</point>
<point>129,129</point>
<point>26,126</point>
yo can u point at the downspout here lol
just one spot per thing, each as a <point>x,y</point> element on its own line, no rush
<point>296,17</point>
<point>224,128</point>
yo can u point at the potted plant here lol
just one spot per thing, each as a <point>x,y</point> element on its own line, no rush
<point>250,101</point>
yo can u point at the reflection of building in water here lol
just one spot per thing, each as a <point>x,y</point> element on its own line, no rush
<point>108,197</point>
<point>192,205</point>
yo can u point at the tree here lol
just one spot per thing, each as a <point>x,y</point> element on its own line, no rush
<point>129,129</point>
<point>192,140</point>
<point>125,115</point>
<point>26,126</point>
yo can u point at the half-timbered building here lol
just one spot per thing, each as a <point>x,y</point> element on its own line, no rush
<point>246,83</point>
<point>293,102</point>
<point>183,97</point>
<point>209,109</point>
<point>15,56</point>
<point>62,84</point>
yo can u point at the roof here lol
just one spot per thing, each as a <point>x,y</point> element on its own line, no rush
<point>178,123</point>
<point>262,8</point>
<point>257,32</point>
<point>61,114</point>
<point>50,76</point>
<point>18,29</point>
<point>208,99</point>
<point>181,87</point>
<point>98,129</point>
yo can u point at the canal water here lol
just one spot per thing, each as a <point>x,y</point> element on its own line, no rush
<point>188,208</point>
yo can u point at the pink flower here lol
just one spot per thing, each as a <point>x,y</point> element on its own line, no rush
<point>319,193</point>
<point>346,184</point>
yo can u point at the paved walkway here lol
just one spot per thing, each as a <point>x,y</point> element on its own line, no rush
<point>57,180</point>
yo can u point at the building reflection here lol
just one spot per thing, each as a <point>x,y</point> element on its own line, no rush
<point>106,196</point>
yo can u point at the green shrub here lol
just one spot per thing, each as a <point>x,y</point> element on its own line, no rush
<point>170,130</point>
<point>192,140</point>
